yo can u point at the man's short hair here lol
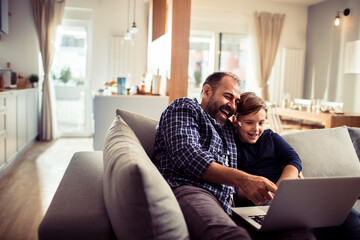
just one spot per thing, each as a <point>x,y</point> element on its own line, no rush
<point>214,79</point>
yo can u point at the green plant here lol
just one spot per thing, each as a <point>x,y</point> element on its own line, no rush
<point>197,76</point>
<point>78,80</point>
<point>65,74</point>
<point>33,78</point>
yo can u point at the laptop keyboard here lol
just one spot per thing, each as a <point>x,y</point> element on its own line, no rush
<point>258,218</point>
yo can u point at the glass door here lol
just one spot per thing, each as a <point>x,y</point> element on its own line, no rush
<point>70,76</point>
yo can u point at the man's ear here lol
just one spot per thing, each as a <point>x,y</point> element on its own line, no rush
<point>207,90</point>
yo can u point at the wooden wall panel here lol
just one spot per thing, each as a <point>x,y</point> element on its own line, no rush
<point>180,49</point>
<point>158,19</point>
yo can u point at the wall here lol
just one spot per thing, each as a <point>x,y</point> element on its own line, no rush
<point>232,16</point>
<point>110,18</point>
<point>324,78</point>
<point>21,46</point>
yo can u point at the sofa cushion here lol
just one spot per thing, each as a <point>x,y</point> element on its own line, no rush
<point>139,202</point>
<point>77,210</point>
<point>355,138</point>
<point>143,127</point>
<point>325,152</point>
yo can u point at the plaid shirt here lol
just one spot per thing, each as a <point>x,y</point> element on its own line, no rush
<point>187,141</point>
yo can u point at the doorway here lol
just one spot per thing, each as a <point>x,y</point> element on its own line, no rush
<point>70,76</point>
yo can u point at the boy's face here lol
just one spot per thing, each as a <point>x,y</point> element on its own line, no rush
<point>251,126</point>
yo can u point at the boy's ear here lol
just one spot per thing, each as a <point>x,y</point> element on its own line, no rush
<point>233,120</point>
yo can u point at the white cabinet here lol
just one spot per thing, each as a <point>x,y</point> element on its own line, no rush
<point>18,124</point>
<point>21,121</point>
<point>11,133</point>
<point>32,115</point>
<point>2,130</point>
<point>2,151</point>
<point>4,17</point>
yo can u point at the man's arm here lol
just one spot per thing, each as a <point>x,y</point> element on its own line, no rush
<point>257,189</point>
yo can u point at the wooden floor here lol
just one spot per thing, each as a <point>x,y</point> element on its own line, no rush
<point>27,188</point>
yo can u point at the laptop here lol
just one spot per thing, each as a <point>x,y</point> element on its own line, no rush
<point>305,203</point>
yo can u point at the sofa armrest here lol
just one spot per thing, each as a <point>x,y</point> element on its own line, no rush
<point>77,210</point>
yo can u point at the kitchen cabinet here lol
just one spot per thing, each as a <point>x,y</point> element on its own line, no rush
<point>2,130</point>
<point>21,107</point>
<point>32,115</point>
<point>10,124</point>
<point>18,124</point>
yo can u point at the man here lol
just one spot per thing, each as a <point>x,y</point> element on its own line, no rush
<point>196,153</point>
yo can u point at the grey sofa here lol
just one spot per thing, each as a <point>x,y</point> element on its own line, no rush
<point>118,193</point>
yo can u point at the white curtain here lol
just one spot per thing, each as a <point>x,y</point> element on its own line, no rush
<point>47,16</point>
<point>268,30</point>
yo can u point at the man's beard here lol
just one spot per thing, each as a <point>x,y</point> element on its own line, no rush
<point>216,111</point>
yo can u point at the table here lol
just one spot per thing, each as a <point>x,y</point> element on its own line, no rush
<point>329,119</point>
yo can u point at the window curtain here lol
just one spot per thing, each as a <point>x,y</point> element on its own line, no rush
<point>47,16</point>
<point>268,30</point>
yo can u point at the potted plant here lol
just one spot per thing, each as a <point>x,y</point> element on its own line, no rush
<point>65,75</point>
<point>197,76</point>
<point>34,79</point>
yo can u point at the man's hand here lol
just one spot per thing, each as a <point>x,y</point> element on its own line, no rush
<point>257,189</point>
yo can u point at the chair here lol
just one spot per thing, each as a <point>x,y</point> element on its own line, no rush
<point>273,118</point>
<point>275,122</point>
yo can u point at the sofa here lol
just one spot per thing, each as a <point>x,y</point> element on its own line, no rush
<point>118,193</point>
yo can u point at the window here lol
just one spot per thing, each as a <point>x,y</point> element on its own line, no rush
<point>201,61</point>
<point>69,66</point>
<point>233,55</point>
<point>229,52</point>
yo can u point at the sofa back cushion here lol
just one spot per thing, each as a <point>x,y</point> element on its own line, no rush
<point>325,152</point>
<point>143,127</point>
<point>138,200</point>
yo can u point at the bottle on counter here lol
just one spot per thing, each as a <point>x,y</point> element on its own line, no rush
<point>2,82</point>
<point>156,81</point>
<point>142,87</point>
<point>6,76</point>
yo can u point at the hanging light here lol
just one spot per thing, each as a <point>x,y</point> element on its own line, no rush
<point>337,19</point>
<point>133,28</point>
<point>128,36</point>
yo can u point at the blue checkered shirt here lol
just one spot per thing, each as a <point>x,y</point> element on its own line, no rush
<point>187,141</point>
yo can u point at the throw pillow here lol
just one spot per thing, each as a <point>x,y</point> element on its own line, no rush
<point>355,138</point>
<point>325,152</point>
<point>138,200</point>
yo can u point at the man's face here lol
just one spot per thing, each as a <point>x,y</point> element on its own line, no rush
<point>221,102</point>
